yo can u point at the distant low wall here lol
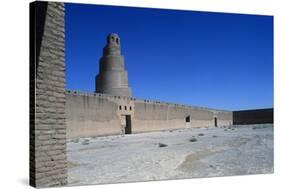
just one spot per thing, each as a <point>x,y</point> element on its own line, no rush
<point>93,114</point>
<point>253,116</point>
<point>156,116</point>
<point>150,116</point>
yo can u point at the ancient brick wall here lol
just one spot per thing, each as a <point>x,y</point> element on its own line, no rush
<point>253,116</point>
<point>94,114</point>
<point>91,115</point>
<point>48,161</point>
<point>151,115</point>
<point>155,116</point>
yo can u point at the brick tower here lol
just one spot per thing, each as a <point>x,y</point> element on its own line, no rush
<point>112,78</point>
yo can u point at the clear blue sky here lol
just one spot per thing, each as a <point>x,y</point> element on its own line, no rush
<point>205,59</point>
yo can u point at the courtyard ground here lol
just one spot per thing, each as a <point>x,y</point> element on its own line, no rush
<point>177,154</point>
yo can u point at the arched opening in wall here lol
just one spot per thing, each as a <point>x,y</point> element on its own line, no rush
<point>216,122</point>
<point>187,119</point>
<point>130,107</point>
<point>120,107</point>
<point>125,107</point>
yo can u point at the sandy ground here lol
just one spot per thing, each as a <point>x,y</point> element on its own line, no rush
<point>178,154</point>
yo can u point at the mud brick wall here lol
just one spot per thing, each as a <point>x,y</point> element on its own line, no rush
<point>155,116</point>
<point>258,116</point>
<point>91,115</point>
<point>95,114</point>
<point>48,161</point>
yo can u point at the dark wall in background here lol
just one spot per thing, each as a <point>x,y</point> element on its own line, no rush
<point>253,116</point>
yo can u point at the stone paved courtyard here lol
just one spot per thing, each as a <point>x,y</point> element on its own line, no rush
<point>177,154</point>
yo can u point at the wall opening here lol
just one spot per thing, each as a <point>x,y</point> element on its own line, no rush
<point>128,129</point>
<point>126,124</point>
<point>187,119</point>
<point>216,122</point>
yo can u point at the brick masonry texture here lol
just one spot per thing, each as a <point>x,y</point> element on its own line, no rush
<point>56,115</point>
<point>48,160</point>
<point>96,114</point>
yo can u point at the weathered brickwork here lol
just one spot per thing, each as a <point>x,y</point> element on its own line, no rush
<point>56,115</point>
<point>95,114</point>
<point>48,161</point>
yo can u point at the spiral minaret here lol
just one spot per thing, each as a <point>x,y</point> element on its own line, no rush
<point>112,78</point>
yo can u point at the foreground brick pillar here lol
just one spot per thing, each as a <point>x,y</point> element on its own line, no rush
<point>48,161</point>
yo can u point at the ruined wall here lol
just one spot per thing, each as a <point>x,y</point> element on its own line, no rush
<point>99,114</point>
<point>90,115</point>
<point>48,161</point>
<point>253,116</point>
<point>162,116</point>
<point>201,118</point>
<point>224,118</point>
<point>151,116</point>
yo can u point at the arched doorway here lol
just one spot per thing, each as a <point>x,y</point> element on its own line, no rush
<point>187,121</point>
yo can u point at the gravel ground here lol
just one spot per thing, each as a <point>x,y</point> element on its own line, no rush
<point>177,154</point>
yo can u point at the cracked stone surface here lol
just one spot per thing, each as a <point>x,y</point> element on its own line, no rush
<point>238,150</point>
